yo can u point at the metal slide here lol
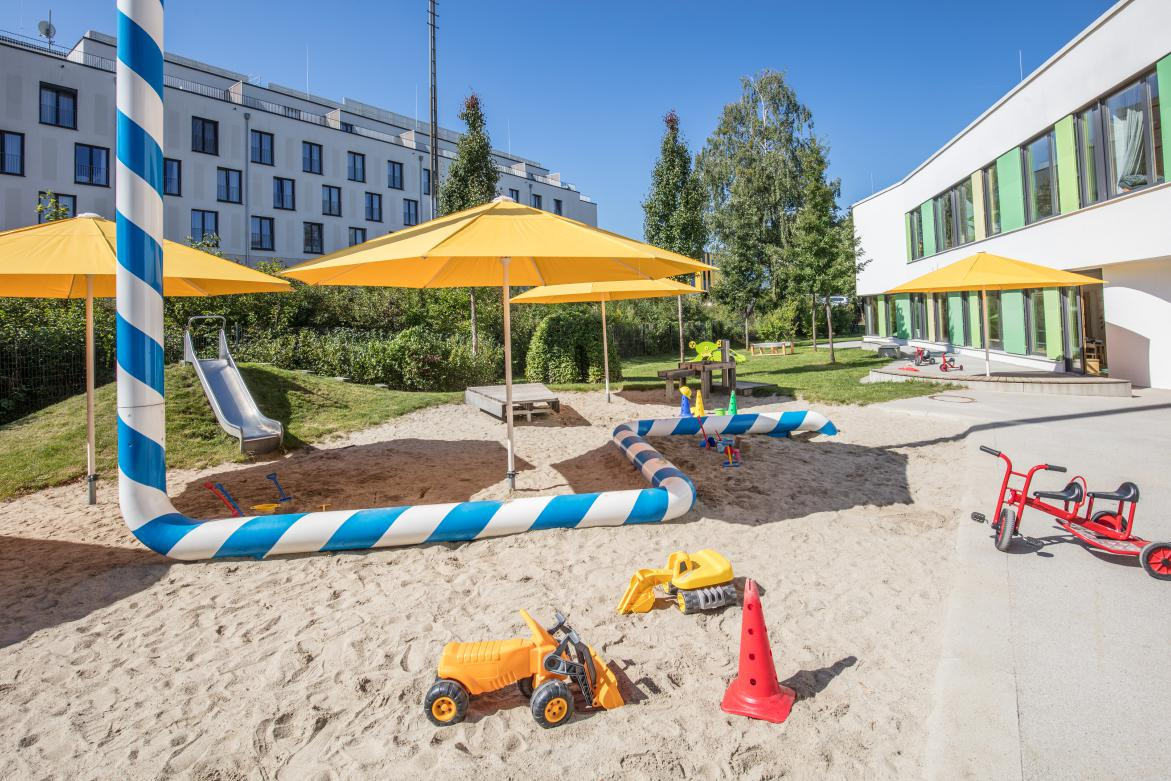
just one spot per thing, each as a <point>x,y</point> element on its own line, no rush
<point>230,400</point>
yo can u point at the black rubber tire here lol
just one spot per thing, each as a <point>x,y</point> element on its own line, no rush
<point>545,695</point>
<point>1144,558</point>
<point>525,687</point>
<point>1005,529</point>
<point>452,690</point>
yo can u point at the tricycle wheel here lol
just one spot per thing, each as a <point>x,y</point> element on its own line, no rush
<point>1005,530</point>
<point>552,704</point>
<point>1156,560</point>
<point>446,703</point>
<point>525,686</point>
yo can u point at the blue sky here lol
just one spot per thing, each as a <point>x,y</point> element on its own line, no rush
<point>581,86</point>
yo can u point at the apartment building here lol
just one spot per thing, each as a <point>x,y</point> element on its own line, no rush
<point>1068,170</point>
<point>274,172</point>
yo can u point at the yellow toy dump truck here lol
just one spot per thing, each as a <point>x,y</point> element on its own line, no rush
<point>697,581</point>
<point>542,667</point>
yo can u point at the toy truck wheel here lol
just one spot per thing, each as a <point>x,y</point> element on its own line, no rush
<point>1005,529</point>
<point>1156,560</point>
<point>552,704</point>
<point>525,687</point>
<point>446,703</point>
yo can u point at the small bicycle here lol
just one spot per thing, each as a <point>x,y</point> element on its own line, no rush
<point>1106,530</point>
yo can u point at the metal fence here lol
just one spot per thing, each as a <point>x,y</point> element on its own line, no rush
<point>39,367</point>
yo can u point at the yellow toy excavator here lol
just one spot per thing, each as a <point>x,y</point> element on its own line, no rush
<point>697,581</point>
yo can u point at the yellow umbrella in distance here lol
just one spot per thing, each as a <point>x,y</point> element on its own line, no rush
<point>77,258</point>
<point>985,271</point>
<point>497,244</point>
<point>603,292</point>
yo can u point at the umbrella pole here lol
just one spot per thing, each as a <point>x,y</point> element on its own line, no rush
<point>508,373</point>
<point>984,299</point>
<point>605,353</point>
<point>90,449</point>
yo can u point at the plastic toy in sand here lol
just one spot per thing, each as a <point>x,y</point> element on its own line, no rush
<point>542,667</point>
<point>756,692</point>
<point>695,581</point>
<point>281,495</point>
<point>731,452</point>
<point>222,494</point>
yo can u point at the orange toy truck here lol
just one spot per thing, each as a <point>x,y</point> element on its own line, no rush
<point>541,666</point>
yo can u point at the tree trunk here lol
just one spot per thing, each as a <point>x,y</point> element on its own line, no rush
<point>829,325</point>
<point>813,317</point>
<point>680,302</point>
<point>472,298</point>
<point>746,333</point>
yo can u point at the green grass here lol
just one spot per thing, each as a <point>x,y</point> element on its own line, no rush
<point>48,447</point>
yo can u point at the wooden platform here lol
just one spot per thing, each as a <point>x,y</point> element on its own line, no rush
<point>527,398</point>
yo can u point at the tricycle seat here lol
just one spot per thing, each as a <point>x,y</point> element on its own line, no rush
<point>1127,492</point>
<point>1071,493</point>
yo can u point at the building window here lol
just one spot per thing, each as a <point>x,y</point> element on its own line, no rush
<point>374,207</point>
<point>262,230</point>
<point>410,212</point>
<point>331,201</point>
<point>204,224</point>
<point>310,157</point>
<point>892,317</point>
<point>394,175</point>
<point>91,165</point>
<point>357,236</point>
<point>314,244</point>
<point>172,176</point>
<point>58,106</point>
<point>426,181</point>
<point>1130,138</point>
<point>918,316</point>
<point>995,322</point>
<point>991,201</point>
<point>1040,178</point>
<point>535,201</point>
<point>1035,321</point>
<point>557,208</point>
<point>355,166</point>
<point>68,203</point>
<point>966,317</point>
<point>205,136</point>
<point>284,193</point>
<point>514,194</point>
<point>1090,159</point>
<point>870,316</point>
<point>945,228</point>
<point>916,217</point>
<point>261,145</point>
<point>965,212</point>
<point>11,153</point>
<point>228,187</point>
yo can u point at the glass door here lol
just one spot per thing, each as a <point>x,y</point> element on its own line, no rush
<point>1071,309</point>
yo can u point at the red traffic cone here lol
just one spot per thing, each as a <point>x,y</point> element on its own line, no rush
<point>756,693</point>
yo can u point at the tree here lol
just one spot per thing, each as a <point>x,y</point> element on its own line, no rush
<point>750,170</point>
<point>50,209</point>
<point>673,210</point>
<point>471,179</point>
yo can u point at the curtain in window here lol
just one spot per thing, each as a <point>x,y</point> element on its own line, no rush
<point>1127,130</point>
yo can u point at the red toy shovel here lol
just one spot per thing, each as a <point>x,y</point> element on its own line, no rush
<point>756,693</point>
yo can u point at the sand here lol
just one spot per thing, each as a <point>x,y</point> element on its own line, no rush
<point>115,662</point>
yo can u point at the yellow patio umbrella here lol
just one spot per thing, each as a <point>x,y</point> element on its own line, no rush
<point>985,271</point>
<point>498,244</point>
<point>77,258</point>
<point>603,292</point>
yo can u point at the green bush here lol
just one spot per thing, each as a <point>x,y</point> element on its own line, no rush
<point>567,347</point>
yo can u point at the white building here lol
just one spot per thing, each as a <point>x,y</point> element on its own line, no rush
<point>1066,170</point>
<point>273,171</point>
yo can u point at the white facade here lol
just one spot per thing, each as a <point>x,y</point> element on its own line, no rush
<point>195,89</point>
<point>1127,237</point>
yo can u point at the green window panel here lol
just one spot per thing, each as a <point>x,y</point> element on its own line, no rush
<point>955,318</point>
<point>976,318</point>
<point>1011,187</point>
<point>1067,184</point>
<point>907,221</point>
<point>1053,331</point>
<point>1163,74</point>
<point>1012,321</point>
<point>902,328</point>
<point>927,211</point>
<point>881,304</point>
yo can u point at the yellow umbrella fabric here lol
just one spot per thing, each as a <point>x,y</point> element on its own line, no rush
<point>603,292</point>
<point>985,271</point>
<point>500,243</point>
<point>77,258</point>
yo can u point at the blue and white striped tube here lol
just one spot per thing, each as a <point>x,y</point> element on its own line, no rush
<point>141,447</point>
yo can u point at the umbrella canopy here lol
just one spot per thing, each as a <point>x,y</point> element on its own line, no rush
<point>77,258</point>
<point>500,243</point>
<point>985,271</point>
<point>54,259</point>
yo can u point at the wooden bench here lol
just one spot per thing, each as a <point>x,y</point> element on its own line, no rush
<point>672,377</point>
<point>770,348</point>
<point>527,398</point>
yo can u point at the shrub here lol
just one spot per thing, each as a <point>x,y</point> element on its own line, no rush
<point>567,347</point>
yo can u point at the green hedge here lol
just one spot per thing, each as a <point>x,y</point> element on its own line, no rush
<point>567,348</point>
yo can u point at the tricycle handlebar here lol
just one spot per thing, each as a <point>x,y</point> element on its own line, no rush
<point>1054,468</point>
<point>989,450</point>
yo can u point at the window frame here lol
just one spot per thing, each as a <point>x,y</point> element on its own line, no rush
<point>253,148</point>
<point>278,183</point>
<point>370,199</point>
<point>261,220</point>
<point>536,201</point>
<point>1030,296</point>
<point>426,181</point>
<point>227,188</point>
<point>558,207</point>
<point>352,166</point>
<point>410,208</point>
<point>3,144</point>
<point>350,236</point>
<point>997,343</point>
<point>394,173</point>
<point>57,91</point>
<point>41,197</point>
<point>203,223</point>
<point>917,247</point>
<point>77,147</point>
<point>331,189</point>
<point>514,194</point>
<point>305,233</point>
<point>205,123</point>
<point>308,146</point>
<point>178,178</point>
<point>992,216</point>
<point>1025,155</point>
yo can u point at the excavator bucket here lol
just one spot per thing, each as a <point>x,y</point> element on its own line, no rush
<point>606,693</point>
<point>640,594</point>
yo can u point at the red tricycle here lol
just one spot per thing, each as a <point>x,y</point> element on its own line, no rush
<point>1106,530</point>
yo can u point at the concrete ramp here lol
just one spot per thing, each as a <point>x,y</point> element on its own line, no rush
<point>228,396</point>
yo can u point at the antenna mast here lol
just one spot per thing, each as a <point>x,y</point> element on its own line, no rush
<point>434,110</point>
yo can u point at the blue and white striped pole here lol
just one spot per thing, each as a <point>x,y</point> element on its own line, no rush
<point>142,484</point>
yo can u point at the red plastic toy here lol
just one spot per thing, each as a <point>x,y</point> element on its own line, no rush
<point>1106,530</point>
<point>923,357</point>
<point>947,363</point>
<point>756,693</point>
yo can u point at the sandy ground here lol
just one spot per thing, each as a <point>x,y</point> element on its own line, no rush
<point>116,662</point>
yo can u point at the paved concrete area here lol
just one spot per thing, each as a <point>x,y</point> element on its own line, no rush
<point>1003,377</point>
<point>1057,660</point>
